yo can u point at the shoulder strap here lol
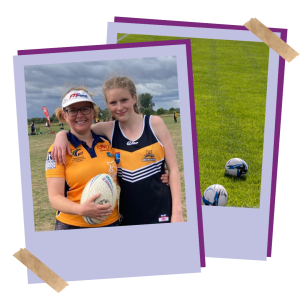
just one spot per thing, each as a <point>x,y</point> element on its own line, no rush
<point>113,133</point>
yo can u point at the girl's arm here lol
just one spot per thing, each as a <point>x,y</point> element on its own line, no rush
<point>162,133</point>
<point>61,146</point>
<point>103,128</point>
<point>61,143</point>
<point>59,202</point>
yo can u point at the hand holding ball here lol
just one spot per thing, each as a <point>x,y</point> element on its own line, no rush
<point>103,184</point>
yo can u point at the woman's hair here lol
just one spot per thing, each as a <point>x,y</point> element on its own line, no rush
<point>121,82</point>
<point>59,112</point>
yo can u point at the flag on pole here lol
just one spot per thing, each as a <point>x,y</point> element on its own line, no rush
<point>45,110</point>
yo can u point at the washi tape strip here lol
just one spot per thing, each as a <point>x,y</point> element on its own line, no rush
<point>41,270</point>
<point>271,39</point>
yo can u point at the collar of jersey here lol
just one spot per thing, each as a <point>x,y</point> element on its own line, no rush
<point>76,142</point>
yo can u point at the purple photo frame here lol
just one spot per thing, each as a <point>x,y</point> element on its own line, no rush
<point>279,92</point>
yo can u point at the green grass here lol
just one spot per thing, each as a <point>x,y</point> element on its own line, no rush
<point>230,84</point>
<point>175,132</point>
<point>44,214</point>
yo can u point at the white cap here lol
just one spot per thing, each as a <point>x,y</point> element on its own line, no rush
<point>76,96</point>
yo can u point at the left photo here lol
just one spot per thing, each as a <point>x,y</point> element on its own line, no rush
<point>108,159</point>
<point>83,121</point>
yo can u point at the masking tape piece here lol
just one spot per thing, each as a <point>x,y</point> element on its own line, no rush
<point>271,39</point>
<point>40,269</point>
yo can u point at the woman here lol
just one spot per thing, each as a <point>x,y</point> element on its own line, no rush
<point>141,145</point>
<point>175,116</point>
<point>90,156</point>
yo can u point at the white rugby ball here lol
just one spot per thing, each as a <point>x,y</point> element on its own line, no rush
<point>236,167</point>
<point>215,195</point>
<point>104,184</point>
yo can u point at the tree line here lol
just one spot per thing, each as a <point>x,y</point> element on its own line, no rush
<point>146,106</point>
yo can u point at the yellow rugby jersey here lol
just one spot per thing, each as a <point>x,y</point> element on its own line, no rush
<point>80,167</point>
<point>144,198</point>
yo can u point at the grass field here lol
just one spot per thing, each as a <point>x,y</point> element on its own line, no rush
<point>230,85</point>
<point>44,214</point>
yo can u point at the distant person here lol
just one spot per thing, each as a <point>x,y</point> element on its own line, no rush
<point>47,126</point>
<point>175,117</point>
<point>32,128</point>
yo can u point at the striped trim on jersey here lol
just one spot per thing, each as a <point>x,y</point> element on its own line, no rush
<point>144,172</point>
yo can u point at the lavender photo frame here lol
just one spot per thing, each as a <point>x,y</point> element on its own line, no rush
<point>235,232</point>
<point>130,250</point>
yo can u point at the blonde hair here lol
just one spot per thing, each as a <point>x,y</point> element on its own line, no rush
<point>59,112</point>
<point>121,82</point>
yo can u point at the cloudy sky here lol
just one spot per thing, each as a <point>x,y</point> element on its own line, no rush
<point>45,84</point>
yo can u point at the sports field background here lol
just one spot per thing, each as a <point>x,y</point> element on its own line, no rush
<point>44,214</point>
<point>230,85</point>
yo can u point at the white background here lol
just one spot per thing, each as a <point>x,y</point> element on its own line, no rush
<point>47,24</point>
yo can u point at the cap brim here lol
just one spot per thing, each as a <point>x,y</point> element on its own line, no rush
<point>68,103</point>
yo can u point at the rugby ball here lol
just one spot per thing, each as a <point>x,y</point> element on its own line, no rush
<point>104,184</point>
<point>236,167</point>
<point>215,195</point>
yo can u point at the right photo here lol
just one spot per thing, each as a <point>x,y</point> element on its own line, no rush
<point>230,86</point>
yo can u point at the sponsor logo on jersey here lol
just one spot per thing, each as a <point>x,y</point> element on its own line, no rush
<point>163,218</point>
<point>77,153</point>
<point>77,95</point>
<point>78,159</point>
<point>50,162</point>
<point>129,143</point>
<point>117,157</point>
<point>109,154</point>
<point>103,147</point>
<point>149,156</point>
<point>112,170</point>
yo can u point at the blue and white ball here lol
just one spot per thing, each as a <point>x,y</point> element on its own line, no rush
<point>215,195</point>
<point>236,167</point>
<point>104,184</point>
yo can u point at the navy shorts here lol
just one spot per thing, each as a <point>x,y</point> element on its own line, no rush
<point>62,226</point>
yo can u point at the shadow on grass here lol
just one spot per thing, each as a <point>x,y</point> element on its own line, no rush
<point>234,178</point>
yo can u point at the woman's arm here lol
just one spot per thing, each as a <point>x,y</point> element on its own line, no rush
<point>59,202</point>
<point>162,133</point>
<point>61,143</point>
